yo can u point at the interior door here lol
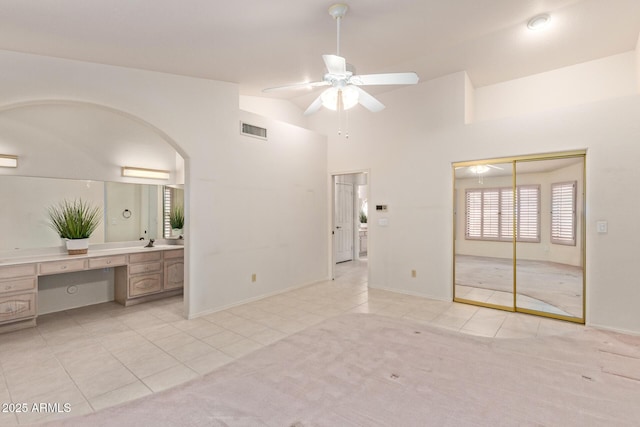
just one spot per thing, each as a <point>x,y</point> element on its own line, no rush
<point>550,247</point>
<point>483,224</point>
<point>344,213</point>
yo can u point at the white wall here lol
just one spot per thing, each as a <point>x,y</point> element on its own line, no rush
<point>409,148</point>
<point>251,207</point>
<point>277,109</point>
<point>610,77</point>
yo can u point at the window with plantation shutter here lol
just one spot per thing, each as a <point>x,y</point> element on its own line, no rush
<point>489,213</point>
<point>166,202</point>
<point>563,213</point>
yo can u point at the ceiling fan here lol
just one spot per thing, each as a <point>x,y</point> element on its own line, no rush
<point>345,91</point>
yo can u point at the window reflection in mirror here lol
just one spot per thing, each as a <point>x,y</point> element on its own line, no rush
<point>173,203</point>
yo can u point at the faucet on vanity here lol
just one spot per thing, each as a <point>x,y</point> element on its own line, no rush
<point>150,244</point>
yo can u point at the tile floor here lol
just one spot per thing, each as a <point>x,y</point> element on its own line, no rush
<point>99,356</point>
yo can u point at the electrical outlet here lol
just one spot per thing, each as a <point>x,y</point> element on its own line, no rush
<point>413,273</point>
<point>254,277</point>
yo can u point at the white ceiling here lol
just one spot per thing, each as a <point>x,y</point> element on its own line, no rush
<point>258,43</point>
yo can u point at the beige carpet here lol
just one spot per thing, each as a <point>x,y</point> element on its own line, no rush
<point>369,370</point>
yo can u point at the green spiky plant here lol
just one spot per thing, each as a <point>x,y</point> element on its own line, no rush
<point>176,217</point>
<point>363,217</point>
<point>74,220</point>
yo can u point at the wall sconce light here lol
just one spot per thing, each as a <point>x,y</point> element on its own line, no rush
<point>132,172</point>
<point>7,161</point>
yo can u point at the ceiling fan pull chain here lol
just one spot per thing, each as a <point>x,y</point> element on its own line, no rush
<point>346,124</point>
<point>339,108</point>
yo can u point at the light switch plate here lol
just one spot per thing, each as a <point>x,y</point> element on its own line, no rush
<point>601,226</point>
<point>383,222</point>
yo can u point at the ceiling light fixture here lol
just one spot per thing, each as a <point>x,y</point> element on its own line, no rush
<point>479,169</point>
<point>348,96</point>
<point>8,161</point>
<point>132,172</point>
<point>539,22</point>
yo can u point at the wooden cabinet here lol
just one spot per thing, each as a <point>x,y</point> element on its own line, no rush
<point>18,287</point>
<point>139,277</point>
<point>149,276</point>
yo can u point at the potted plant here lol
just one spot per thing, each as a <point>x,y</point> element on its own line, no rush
<point>74,222</point>
<point>176,220</point>
<point>363,219</point>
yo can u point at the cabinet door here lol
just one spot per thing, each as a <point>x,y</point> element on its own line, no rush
<point>17,307</point>
<point>173,274</point>
<point>144,285</point>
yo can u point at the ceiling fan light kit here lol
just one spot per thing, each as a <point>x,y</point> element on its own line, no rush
<point>345,91</point>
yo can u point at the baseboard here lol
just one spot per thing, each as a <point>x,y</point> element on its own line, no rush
<point>256,298</point>
<point>610,329</point>
<point>413,294</point>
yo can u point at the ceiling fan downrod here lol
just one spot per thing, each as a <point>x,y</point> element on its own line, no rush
<point>338,11</point>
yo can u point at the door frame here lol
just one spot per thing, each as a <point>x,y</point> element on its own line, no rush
<point>332,211</point>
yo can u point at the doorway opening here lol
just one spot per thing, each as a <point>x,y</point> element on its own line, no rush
<point>350,233</point>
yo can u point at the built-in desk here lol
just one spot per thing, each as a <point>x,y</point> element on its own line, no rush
<point>140,275</point>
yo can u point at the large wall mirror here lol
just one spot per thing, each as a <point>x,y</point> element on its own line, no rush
<point>519,234</point>
<point>76,150</point>
<point>130,211</point>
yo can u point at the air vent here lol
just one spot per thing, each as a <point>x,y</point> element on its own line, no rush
<point>254,131</point>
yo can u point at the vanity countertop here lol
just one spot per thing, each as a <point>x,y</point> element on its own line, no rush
<point>40,256</point>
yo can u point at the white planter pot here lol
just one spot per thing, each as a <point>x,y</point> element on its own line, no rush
<point>77,246</point>
<point>176,232</point>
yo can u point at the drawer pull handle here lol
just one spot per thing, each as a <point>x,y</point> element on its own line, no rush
<point>109,262</point>
<point>63,267</point>
<point>6,288</point>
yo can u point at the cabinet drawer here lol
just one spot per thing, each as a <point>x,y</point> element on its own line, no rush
<point>143,285</point>
<point>63,266</point>
<point>149,267</point>
<point>20,270</point>
<point>174,253</point>
<point>107,261</point>
<point>17,307</point>
<point>145,257</point>
<point>26,284</point>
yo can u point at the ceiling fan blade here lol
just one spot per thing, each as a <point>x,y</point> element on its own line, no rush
<point>385,79</point>
<point>335,64</point>
<point>315,106</point>
<point>368,101</point>
<point>297,86</point>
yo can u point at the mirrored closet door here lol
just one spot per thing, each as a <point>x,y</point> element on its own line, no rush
<point>519,234</point>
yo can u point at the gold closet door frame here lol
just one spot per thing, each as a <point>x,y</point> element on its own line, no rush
<point>514,160</point>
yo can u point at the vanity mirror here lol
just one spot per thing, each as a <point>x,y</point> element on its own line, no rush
<point>130,211</point>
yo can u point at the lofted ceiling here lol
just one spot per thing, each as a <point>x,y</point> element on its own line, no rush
<point>260,44</point>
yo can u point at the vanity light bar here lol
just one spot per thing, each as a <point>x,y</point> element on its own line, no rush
<point>7,161</point>
<point>144,173</point>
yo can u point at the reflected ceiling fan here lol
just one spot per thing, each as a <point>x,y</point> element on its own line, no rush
<point>345,91</point>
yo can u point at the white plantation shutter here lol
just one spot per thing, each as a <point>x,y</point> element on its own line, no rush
<point>473,214</point>
<point>528,211</point>
<point>166,201</point>
<point>506,207</point>
<point>489,214</point>
<point>563,213</point>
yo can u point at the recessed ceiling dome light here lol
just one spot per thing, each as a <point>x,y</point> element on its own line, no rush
<point>539,22</point>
